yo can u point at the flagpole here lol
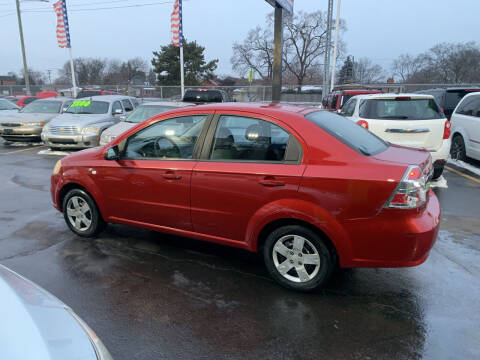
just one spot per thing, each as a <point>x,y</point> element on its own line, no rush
<point>182,80</point>
<point>74,83</point>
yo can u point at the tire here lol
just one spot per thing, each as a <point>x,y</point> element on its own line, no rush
<point>278,251</point>
<point>457,150</point>
<point>437,172</point>
<point>81,214</point>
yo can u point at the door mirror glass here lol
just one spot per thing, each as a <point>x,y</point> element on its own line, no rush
<point>113,153</point>
<point>117,111</point>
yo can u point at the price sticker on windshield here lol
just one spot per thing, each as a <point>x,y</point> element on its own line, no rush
<point>81,103</point>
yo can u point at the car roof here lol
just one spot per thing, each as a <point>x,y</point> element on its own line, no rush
<point>269,109</point>
<point>108,98</point>
<point>55,98</point>
<point>361,91</point>
<point>392,96</point>
<point>167,103</point>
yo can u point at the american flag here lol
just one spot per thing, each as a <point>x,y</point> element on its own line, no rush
<point>176,17</point>
<point>63,33</point>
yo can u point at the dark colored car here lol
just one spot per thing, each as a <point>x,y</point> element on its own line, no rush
<point>449,98</point>
<point>204,96</point>
<point>94,92</point>
<point>309,188</point>
<point>336,99</point>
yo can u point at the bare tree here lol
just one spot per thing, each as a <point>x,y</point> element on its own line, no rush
<point>255,53</point>
<point>366,72</point>
<point>303,48</point>
<point>407,66</point>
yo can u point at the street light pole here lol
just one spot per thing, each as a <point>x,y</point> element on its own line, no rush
<point>335,43</point>
<point>25,67</point>
<point>328,39</point>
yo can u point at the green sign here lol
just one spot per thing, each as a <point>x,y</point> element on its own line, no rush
<point>81,103</point>
<point>250,76</point>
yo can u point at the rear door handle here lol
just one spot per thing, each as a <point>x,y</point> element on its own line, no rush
<point>171,175</point>
<point>271,182</point>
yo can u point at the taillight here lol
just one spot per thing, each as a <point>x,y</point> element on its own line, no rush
<point>447,129</point>
<point>363,124</point>
<point>411,191</point>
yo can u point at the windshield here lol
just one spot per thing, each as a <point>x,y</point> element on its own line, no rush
<point>351,134</point>
<point>88,107</point>
<point>8,105</point>
<point>202,96</point>
<point>44,107</point>
<point>146,111</point>
<point>401,108</point>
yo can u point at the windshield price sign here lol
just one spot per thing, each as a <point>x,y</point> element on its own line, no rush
<point>81,103</point>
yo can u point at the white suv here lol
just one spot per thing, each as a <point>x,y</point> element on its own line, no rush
<point>466,128</point>
<point>411,120</point>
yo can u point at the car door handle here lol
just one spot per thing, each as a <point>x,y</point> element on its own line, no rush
<point>170,175</point>
<point>271,182</point>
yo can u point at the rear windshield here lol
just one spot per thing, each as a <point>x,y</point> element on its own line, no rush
<point>351,134</point>
<point>143,112</point>
<point>400,109</point>
<point>88,107</point>
<point>44,107</point>
<point>202,96</point>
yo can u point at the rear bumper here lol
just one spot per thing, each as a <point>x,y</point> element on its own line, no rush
<point>71,141</point>
<point>394,238</point>
<point>442,153</point>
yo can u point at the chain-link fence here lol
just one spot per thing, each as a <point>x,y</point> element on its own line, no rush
<point>290,93</point>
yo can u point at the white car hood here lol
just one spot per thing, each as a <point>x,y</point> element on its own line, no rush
<point>36,325</point>
<point>119,128</point>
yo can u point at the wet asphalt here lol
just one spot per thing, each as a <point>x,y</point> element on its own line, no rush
<point>152,296</point>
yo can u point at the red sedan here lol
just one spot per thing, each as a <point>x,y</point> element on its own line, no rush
<point>309,188</point>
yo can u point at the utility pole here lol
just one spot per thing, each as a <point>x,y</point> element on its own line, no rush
<point>277,54</point>
<point>25,67</point>
<point>335,43</point>
<point>326,66</point>
<point>50,77</point>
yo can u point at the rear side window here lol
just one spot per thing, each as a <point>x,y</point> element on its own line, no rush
<point>352,135</point>
<point>248,139</point>
<point>470,106</point>
<point>400,109</point>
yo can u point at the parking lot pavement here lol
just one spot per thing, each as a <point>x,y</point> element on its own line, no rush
<point>152,296</point>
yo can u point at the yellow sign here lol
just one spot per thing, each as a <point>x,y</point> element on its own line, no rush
<point>250,76</point>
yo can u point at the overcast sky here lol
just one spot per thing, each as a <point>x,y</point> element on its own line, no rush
<point>379,29</point>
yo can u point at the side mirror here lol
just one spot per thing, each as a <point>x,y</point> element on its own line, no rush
<point>117,111</point>
<point>123,117</point>
<point>339,112</point>
<point>112,153</point>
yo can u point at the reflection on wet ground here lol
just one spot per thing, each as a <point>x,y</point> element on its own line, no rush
<point>153,296</point>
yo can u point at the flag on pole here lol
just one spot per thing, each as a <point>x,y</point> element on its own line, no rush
<point>63,33</point>
<point>176,18</point>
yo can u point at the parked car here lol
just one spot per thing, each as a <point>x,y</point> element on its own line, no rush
<point>204,96</point>
<point>95,92</point>
<point>23,101</point>
<point>412,120</point>
<point>466,128</point>
<point>81,125</point>
<point>27,124</point>
<point>309,188</point>
<point>141,113</point>
<point>7,108</point>
<point>449,98</point>
<point>36,325</point>
<point>336,99</point>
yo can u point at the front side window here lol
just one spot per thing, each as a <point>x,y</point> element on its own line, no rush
<point>168,139</point>
<point>469,106</point>
<point>116,106</point>
<point>88,107</point>
<point>248,139</point>
<point>352,135</point>
<point>44,107</point>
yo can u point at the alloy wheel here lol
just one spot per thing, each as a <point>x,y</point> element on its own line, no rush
<point>79,213</point>
<point>296,258</point>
